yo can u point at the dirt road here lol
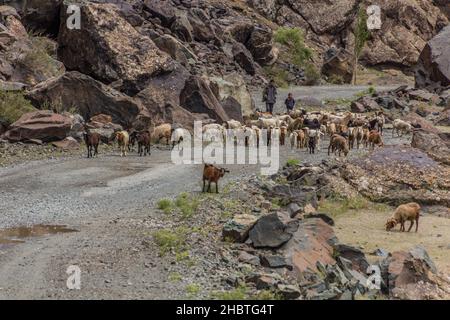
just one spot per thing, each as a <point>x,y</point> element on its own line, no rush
<point>110,201</point>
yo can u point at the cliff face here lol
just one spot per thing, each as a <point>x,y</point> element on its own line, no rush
<point>177,55</point>
<point>406,25</point>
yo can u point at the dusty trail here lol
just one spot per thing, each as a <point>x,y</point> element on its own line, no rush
<point>101,198</point>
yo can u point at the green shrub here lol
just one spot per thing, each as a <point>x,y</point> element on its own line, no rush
<point>311,74</point>
<point>13,105</point>
<point>293,39</point>
<point>165,205</point>
<point>169,240</point>
<point>292,162</point>
<point>187,204</point>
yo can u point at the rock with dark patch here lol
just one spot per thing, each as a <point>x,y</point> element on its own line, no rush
<point>244,58</point>
<point>41,15</point>
<point>43,125</point>
<point>356,256</point>
<point>162,10</point>
<point>238,228</point>
<point>97,49</point>
<point>233,109</point>
<point>324,216</point>
<point>92,97</point>
<point>433,66</point>
<point>197,97</point>
<point>272,231</point>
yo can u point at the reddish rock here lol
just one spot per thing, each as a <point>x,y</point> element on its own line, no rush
<point>101,118</point>
<point>404,268</point>
<point>68,143</point>
<point>311,243</point>
<point>43,125</point>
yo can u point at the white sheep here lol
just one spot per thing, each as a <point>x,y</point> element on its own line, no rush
<point>401,127</point>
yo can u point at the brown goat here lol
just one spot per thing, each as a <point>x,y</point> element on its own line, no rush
<point>212,174</point>
<point>375,139</point>
<point>143,140</point>
<point>404,212</point>
<point>283,133</point>
<point>338,143</point>
<point>92,140</point>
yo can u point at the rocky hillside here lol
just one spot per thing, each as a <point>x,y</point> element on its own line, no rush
<point>180,60</point>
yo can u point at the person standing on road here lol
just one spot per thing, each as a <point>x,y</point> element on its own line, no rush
<point>270,96</point>
<point>290,103</point>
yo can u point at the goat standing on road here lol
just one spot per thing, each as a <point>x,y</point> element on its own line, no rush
<point>212,174</point>
<point>92,140</point>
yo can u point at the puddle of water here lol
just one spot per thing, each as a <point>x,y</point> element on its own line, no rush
<point>16,235</point>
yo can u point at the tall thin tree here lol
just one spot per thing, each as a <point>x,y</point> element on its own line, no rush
<point>362,34</point>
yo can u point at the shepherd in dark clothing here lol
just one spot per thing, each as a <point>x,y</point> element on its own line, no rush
<point>290,103</point>
<point>270,96</point>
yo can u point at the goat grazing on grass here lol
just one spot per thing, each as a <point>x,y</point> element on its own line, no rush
<point>92,140</point>
<point>143,140</point>
<point>212,174</point>
<point>123,139</point>
<point>404,212</point>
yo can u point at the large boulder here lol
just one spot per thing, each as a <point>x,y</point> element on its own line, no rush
<point>434,61</point>
<point>41,15</point>
<point>402,24</point>
<point>244,58</point>
<point>97,49</point>
<point>176,49</point>
<point>197,97</point>
<point>432,144</point>
<point>338,64</point>
<point>399,174</point>
<point>312,243</point>
<point>407,273</point>
<point>87,96</point>
<point>23,60</point>
<point>272,231</point>
<point>233,85</point>
<point>43,125</point>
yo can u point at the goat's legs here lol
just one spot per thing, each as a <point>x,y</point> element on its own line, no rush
<point>411,225</point>
<point>209,186</point>
<point>417,223</point>
<point>203,189</point>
